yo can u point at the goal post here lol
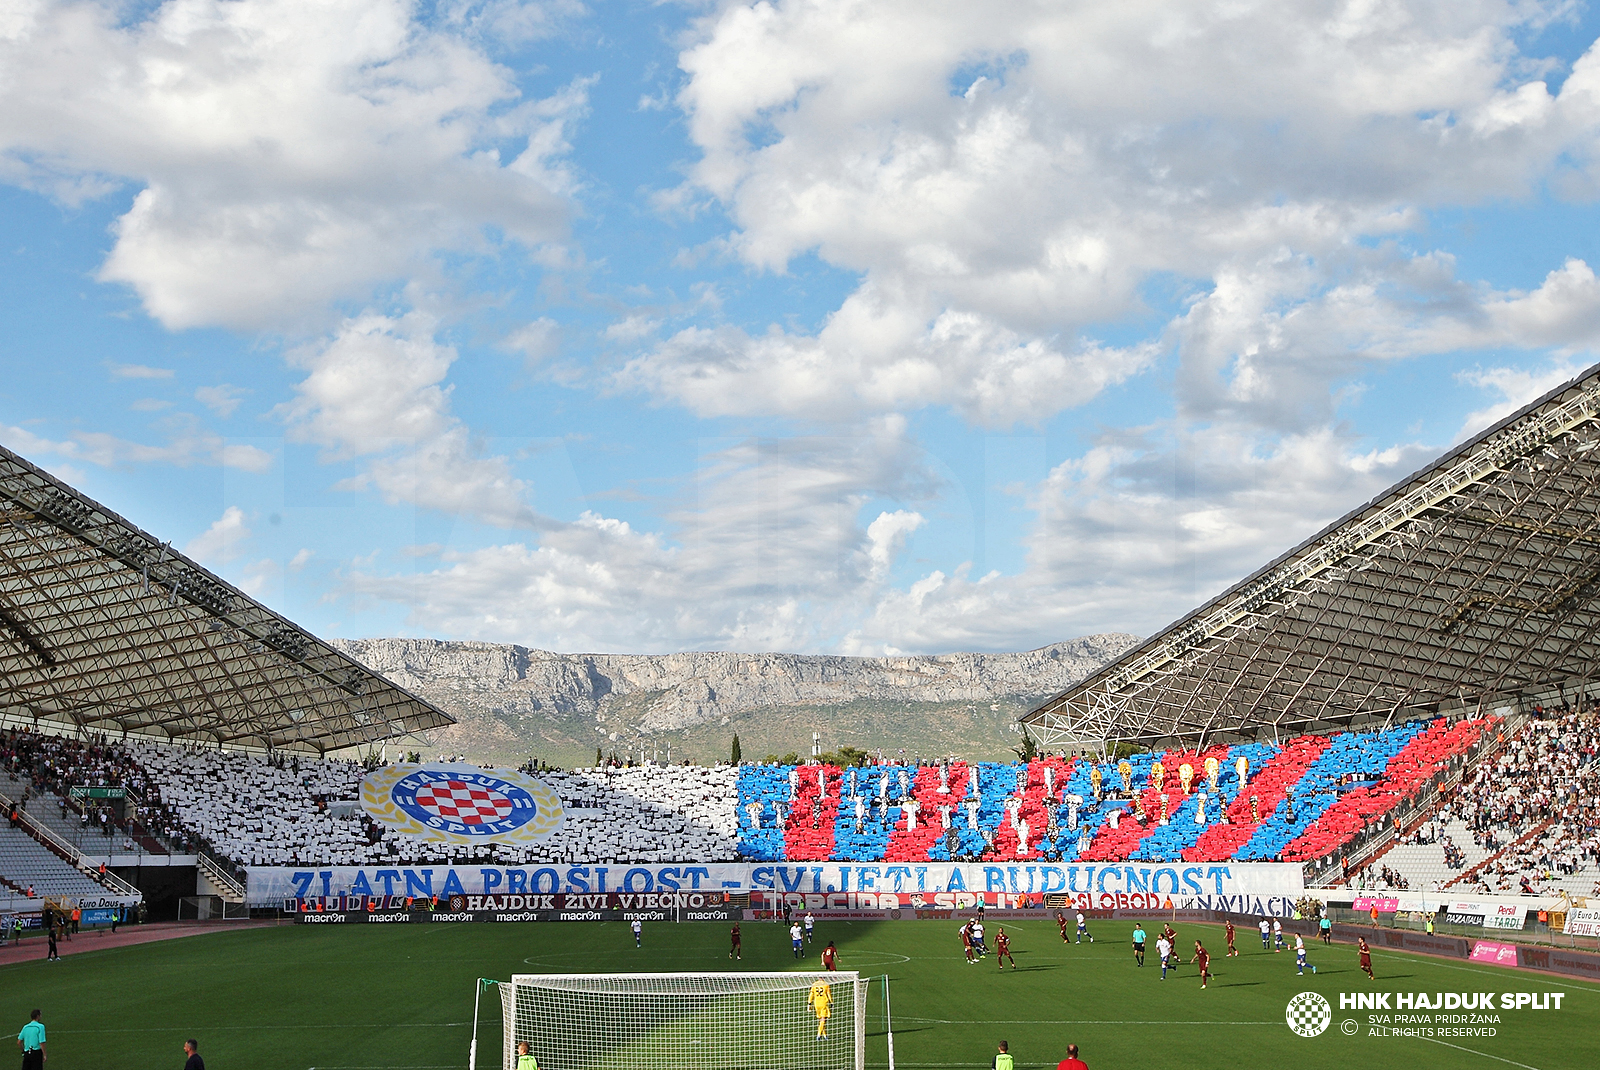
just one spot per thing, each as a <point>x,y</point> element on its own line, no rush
<point>687,1021</point>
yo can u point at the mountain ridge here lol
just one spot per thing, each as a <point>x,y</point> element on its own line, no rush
<point>509,698</point>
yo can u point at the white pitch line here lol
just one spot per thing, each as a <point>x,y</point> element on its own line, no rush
<point>1475,1051</point>
<point>1561,978</point>
<point>292,1025</point>
<point>1064,1021</point>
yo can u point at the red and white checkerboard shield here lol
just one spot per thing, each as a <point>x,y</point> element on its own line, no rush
<point>469,804</point>
<point>462,804</point>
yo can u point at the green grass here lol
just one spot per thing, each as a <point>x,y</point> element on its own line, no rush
<point>401,997</point>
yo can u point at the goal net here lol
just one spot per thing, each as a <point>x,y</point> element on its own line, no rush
<point>687,1021</point>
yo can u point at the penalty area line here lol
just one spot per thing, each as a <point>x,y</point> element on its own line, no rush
<point>1486,1055</point>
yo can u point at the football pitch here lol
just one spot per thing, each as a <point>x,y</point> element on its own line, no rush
<point>400,997</point>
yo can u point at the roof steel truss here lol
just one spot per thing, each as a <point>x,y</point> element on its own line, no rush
<point>106,629</point>
<point>1475,578</point>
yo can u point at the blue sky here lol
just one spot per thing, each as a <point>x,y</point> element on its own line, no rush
<point>802,326</point>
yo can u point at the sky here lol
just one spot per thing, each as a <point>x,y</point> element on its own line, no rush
<point>906,326</point>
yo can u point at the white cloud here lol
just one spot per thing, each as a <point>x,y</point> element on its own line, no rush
<point>376,390</point>
<point>767,551</point>
<point>1004,187</point>
<point>288,153</point>
<point>511,22</point>
<point>874,355</point>
<point>139,371</point>
<point>223,540</point>
<point>1004,182</point>
<point>886,537</point>
<point>187,446</point>
<point>301,559</point>
<point>632,328</point>
<point>778,553</point>
<point>375,385</point>
<point>1564,312</point>
<point>257,578</point>
<point>538,341</point>
<point>1513,388</point>
<point>222,399</point>
<point>1135,533</point>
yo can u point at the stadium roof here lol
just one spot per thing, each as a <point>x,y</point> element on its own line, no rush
<point>1475,580</point>
<point>105,629</point>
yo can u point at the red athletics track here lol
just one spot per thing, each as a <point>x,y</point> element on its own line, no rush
<point>34,945</point>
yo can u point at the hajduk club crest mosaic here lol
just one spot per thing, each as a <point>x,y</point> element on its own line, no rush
<point>462,803</point>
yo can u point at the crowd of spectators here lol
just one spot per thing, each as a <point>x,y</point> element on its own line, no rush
<point>1535,803</point>
<point>46,763</point>
<point>286,810</point>
<point>39,764</point>
<point>280,810</point>
<point>1385,878</point>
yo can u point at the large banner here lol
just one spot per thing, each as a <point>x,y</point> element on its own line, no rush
<point>1582,921</point>
<point>462,803</point>
<point>1488,915</point>
<point>1242,888</point>
<point>395,909</point>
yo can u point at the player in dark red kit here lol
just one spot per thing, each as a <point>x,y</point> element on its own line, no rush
<point>1203,957</point>
<point>1002,948</point>
<point>1061,920</point>
<point>1232,951</point>
<point>737,950</point>
<point>829,953</point>
<point>1365,955</point>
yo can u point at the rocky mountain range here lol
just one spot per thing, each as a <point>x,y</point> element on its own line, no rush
<point>512,702</point>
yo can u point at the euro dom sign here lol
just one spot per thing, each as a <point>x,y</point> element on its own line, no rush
<point>462,804</point>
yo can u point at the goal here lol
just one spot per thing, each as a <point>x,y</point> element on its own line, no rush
<point>686,1021</point>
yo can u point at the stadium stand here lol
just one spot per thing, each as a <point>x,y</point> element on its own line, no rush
<point>255,811</point>
<point>1525,821</point>
<point>25,864</point>
<point>1306,797</point>
<point>1338,820</point>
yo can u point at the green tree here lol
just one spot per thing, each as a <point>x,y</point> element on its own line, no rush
<point>1029,749</point>
<point>853,756</point>
<point>845,757</point>
<point>737,755</point>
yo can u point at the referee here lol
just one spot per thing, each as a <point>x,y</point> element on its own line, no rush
<point>31,1041</point>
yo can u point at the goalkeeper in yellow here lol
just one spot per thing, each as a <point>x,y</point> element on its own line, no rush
<point>821,1000</point>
